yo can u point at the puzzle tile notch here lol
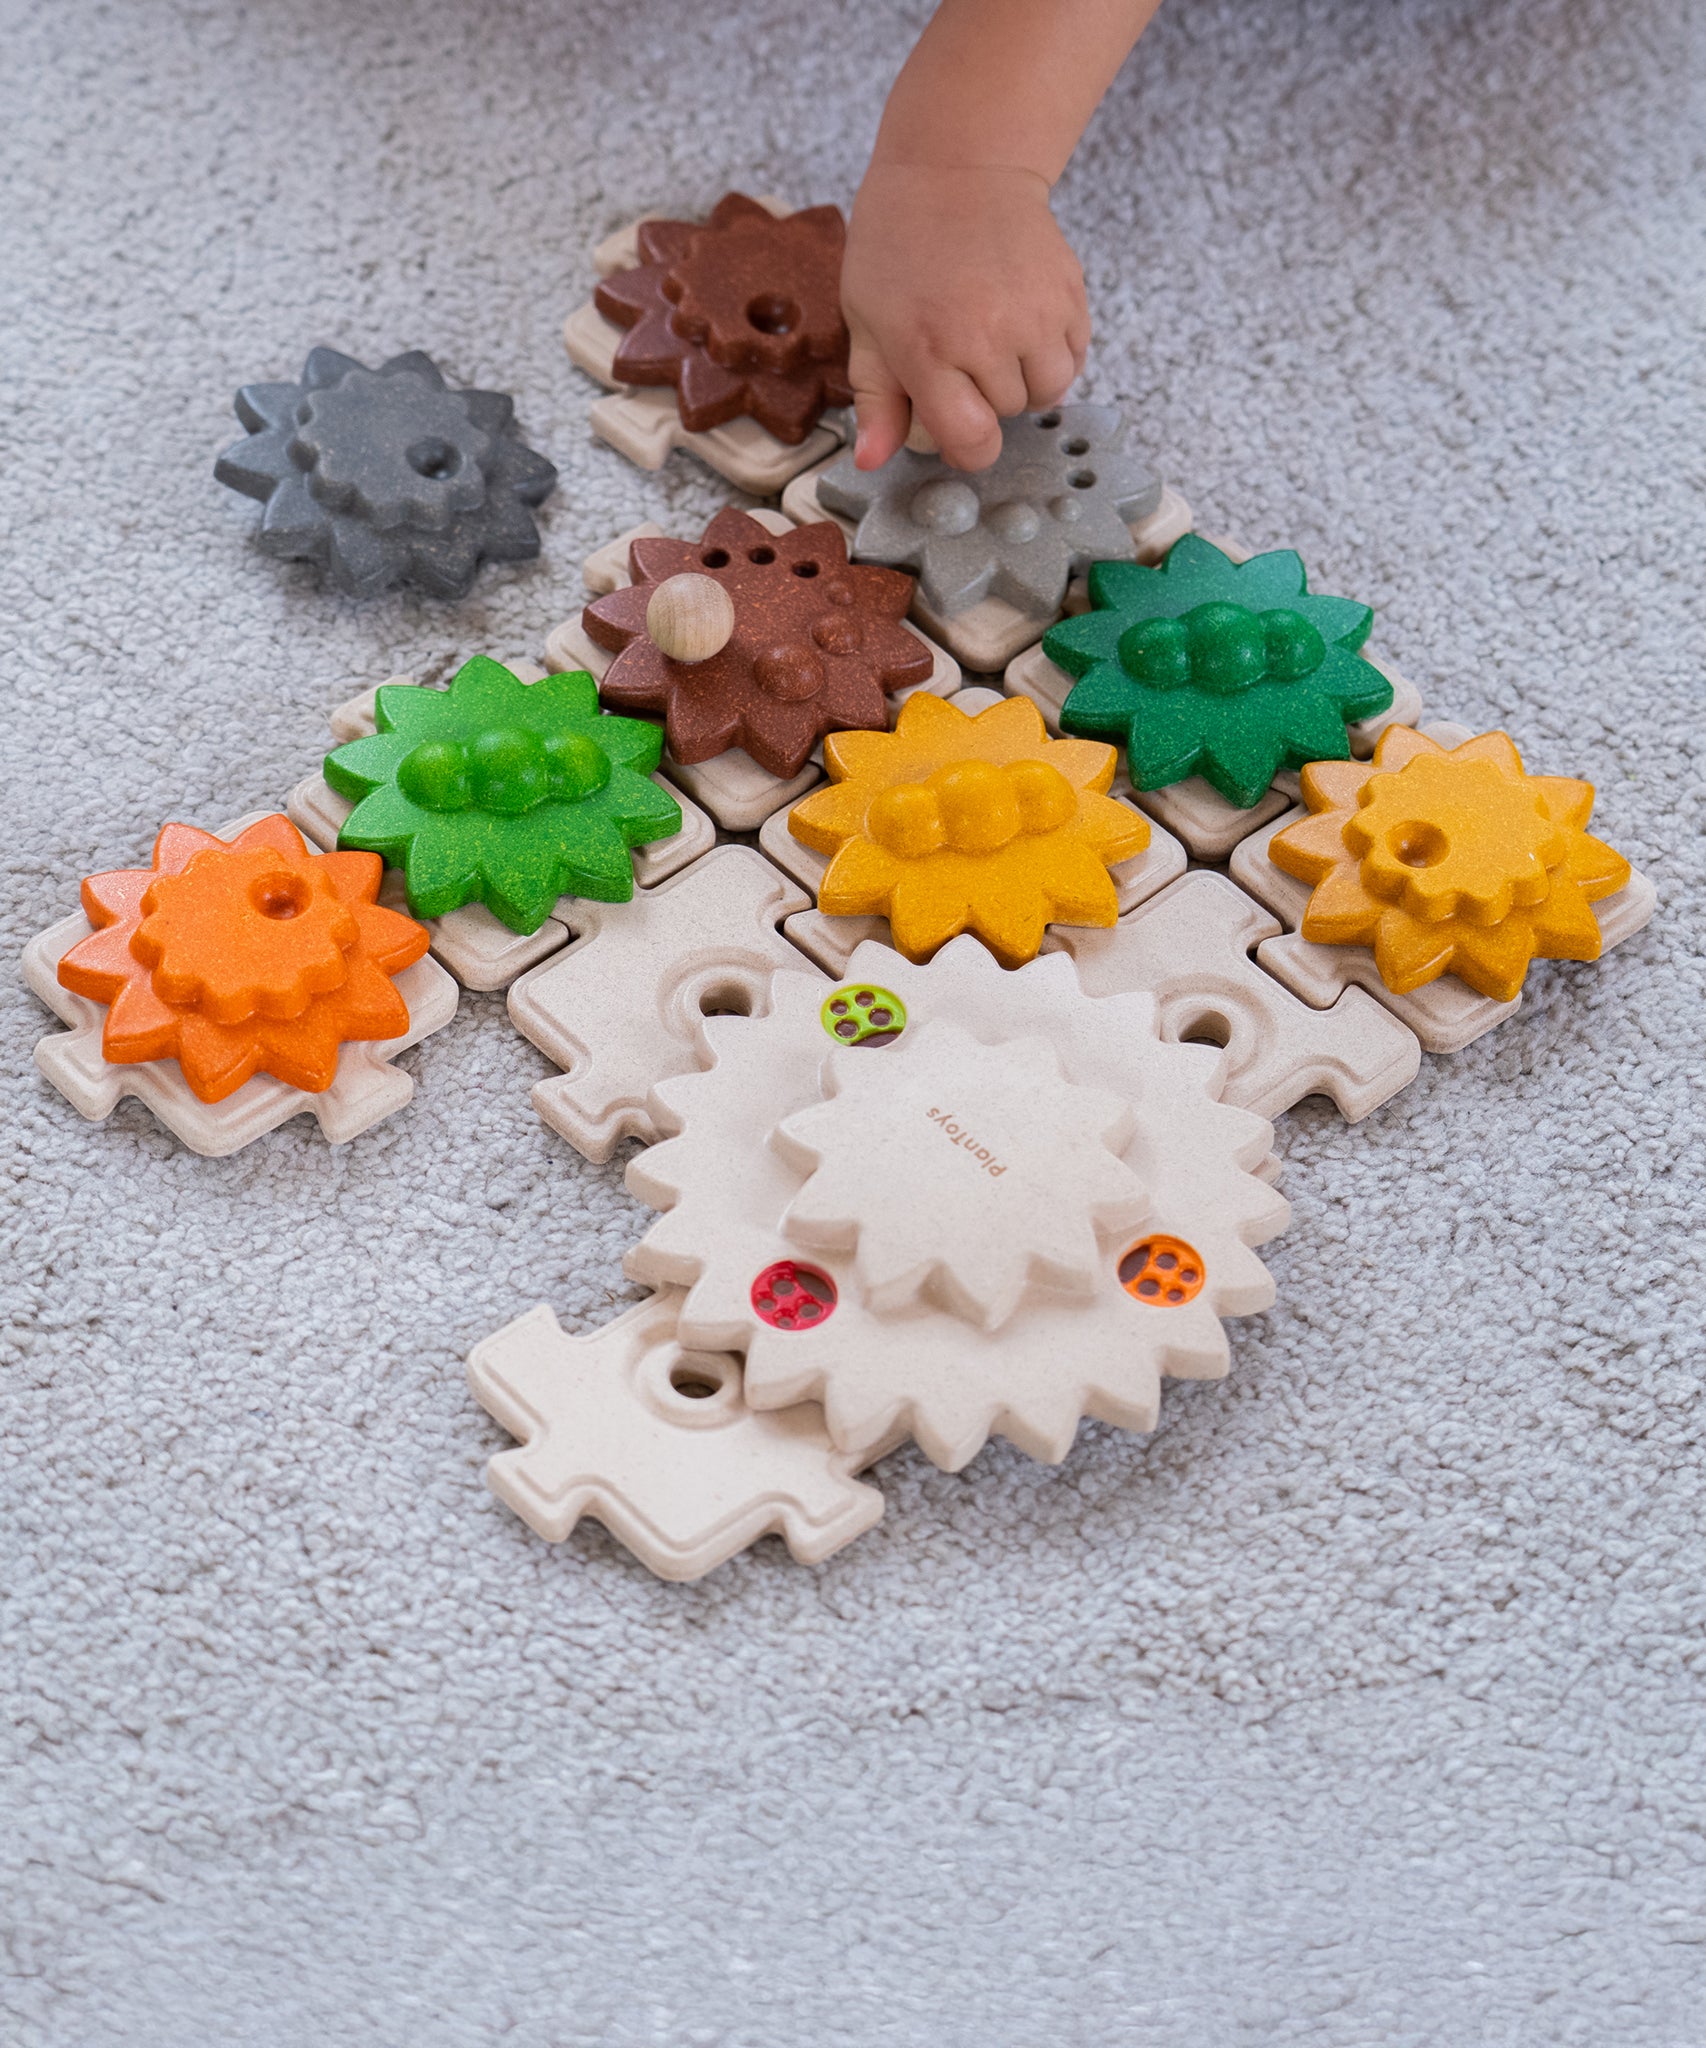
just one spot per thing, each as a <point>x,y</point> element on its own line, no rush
<point>1189,948</point>
<point>816,643</point>
<point>655,1442</point>
<point>364,1086</point>
<point>621,1007</point>
<point>925,1335</point>
<point>1231,671</point>
<point>387,476</point>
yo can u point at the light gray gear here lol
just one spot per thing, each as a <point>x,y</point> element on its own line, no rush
<point>1057,498</point>
<point>387,476</point>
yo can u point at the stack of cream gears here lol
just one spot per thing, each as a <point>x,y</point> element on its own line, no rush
<point>955,1200</point>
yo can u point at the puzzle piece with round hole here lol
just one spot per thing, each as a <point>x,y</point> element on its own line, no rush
<point>480,951</point>
<point>258,966</point>
<point>653,1440</point>
<point>832,939</point>
<point>644,423</point>
<point>619,1009</point>
<point>732,786</point>
<point>945,1230</point>
<point>1440,791</point>
<point>986,635</point>
<point>1189,947</point>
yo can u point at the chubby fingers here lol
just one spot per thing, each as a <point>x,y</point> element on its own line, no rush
<point>959,408</point>
<point>880,405</point>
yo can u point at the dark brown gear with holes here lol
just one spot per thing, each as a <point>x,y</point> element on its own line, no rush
<point>818,643</point>
<point>741,313</point>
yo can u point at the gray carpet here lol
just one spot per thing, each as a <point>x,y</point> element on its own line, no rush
<point>1362,1704</point>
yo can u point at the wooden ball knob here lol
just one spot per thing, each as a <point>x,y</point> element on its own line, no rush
<point>690,618</point>
<point>919,438</point>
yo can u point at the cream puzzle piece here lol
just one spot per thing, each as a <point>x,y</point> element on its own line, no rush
<point>831,941</point>
<point>1195,810</point>
<point>969,1206</point>
<point>1446,1015</point>
<point>620,1008</point>
<point>1189,948</point>
<point>733,788</point>
<point>986,637</point>
<point>643,422</point>
<point>367,1089</point>
<point>479,949</point>
<point>657,1444</point>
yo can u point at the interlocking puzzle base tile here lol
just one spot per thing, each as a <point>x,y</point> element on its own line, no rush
<point>738,793</point>
<point>368,1088</point>
<point>620,1009</point>
<point>644,423</point>
<point>987,636</point>
<point>684,1479</point>
<point>1190,948</point>
<point>1194,810</point>
<point>832,941</point>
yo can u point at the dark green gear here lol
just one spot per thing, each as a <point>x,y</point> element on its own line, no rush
<point>1205,666</point>
<point>505,793</point>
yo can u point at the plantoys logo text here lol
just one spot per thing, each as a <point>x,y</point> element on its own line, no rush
<point>943,1119</point>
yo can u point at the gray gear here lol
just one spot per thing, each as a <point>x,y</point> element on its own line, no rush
<point>1057,498</point>
<point>387,476</point>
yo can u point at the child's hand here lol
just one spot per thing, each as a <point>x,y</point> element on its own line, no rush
<point>964,303</point>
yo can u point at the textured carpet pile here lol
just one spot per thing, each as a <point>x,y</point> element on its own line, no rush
<point>1362,1705</point>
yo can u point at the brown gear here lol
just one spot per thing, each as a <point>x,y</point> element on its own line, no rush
<point>761,293</point>
<point>740,313</point>
<point>818,643</point>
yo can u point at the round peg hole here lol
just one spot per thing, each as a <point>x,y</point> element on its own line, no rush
<point>280,897</point>
<point>771,313</point>
<point>789,1296</point>
<point>863,1014</point>
<point>1162,1272</point>
<point>1048,421</point>
<point>1419,845</point>
<point>693,1380</point>
<point>433,459</point>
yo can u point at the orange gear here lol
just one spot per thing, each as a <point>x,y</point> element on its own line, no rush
<point>1449,860</point>
<point>240,957</point>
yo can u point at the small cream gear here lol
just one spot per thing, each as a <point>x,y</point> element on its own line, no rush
<point>1024,1208</point>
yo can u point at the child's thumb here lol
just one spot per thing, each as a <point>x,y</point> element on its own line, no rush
<point>881,404</point>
